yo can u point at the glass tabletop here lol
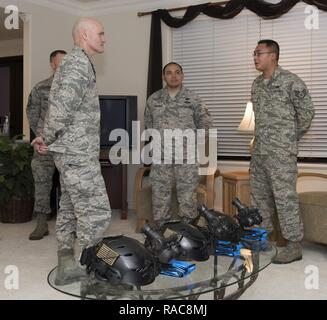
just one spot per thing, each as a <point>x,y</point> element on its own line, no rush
<point>213,275</point>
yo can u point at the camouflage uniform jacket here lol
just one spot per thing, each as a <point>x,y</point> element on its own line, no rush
<point>38,104</point>
<point>72,124</point>
<point>283,112</point>
<point>185,111</point>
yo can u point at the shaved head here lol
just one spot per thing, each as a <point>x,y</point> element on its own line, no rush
<point>88,34</point>
<point>81,25</point>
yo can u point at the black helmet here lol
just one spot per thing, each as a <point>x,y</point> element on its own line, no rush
<point>221,226</point>
<point>192,242</point>
<point>121,259</point>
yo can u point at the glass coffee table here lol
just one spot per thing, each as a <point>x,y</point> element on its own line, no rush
<point>225,277</point>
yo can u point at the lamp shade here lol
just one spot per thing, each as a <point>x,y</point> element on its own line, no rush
<point>247,123</point>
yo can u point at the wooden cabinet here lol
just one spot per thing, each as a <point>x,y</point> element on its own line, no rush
<point>115,178</point>
<point>235,184</point>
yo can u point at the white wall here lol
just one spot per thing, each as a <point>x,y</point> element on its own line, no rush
<point>9,48</point>
<point>48,30</point>
<point>122,69</point>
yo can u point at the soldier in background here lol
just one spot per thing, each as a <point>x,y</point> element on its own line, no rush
<point>72,134</point>
<point>175,107</point>
<point>42,166</point>
<point>283,114</point>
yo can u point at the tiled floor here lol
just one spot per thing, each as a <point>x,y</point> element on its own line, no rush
<point>34,259</point>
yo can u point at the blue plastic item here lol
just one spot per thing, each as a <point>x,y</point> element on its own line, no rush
<point>255,239</point>
<point>226,248</point>
<point>258,234</point>
<point>178,269</point>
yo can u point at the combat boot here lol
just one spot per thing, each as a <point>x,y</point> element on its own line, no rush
<point>41,228</point>
<point>292,252</point>
<point>68,269</point>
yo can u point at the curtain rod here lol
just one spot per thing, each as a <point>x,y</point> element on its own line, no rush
<point>141,14</point>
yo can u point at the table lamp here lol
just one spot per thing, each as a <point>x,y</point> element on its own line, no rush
<point>247,123</point>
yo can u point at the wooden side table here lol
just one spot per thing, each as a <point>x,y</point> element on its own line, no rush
<point>235,184</point>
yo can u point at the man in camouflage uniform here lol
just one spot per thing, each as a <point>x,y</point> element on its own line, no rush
<point>283,113</point>
<point>42,165</point>
<point>72,134</point>
<point>175,107</point>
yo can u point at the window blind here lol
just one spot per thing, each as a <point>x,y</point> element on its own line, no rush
<point>216,56</point>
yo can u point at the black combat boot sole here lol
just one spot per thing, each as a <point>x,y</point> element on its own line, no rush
<point>282,262</point>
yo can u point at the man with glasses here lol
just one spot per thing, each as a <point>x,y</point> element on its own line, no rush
<point>283,114</point>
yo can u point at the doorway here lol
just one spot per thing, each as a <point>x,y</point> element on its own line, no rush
<point>11,93</point>
<point>11,75</point>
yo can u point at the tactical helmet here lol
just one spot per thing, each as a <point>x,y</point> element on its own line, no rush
<point>192,243</point>
<point>120,259</point>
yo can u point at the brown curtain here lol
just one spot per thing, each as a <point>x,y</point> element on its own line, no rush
<point>261,8</point>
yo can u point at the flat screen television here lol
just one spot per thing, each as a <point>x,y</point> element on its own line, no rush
<point>116,112</point>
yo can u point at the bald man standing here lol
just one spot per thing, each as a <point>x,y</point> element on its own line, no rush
<point>71,134</point>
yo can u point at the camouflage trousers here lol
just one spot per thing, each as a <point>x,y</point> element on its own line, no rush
<point>43,169</point>
<point>273,191</point>
<point>163,177</point>
<point>84,208</point>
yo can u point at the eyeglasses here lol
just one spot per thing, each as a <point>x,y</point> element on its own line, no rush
<point>258,53</point>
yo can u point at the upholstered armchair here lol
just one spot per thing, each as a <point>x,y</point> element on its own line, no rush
<point>143,195</point>
<point>313,207</point>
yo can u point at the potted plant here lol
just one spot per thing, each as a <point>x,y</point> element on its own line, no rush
<point>16,180</point>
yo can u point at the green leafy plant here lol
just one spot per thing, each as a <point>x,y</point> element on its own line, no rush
<point>16,177</point>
